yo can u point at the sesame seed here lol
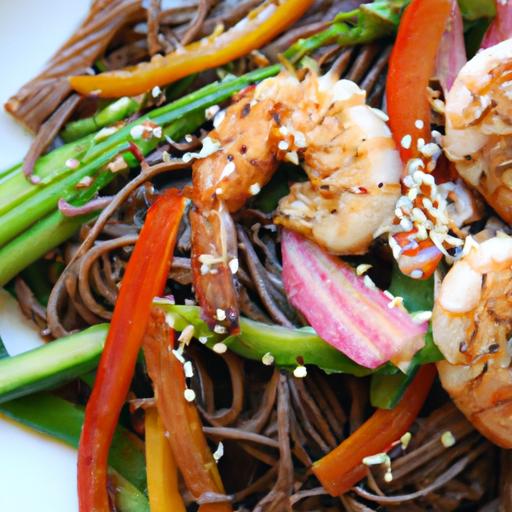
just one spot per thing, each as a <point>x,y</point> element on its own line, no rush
<point>378,458</point>
<point>137,131</point>
<point>189,395</point>
<point>157,132</point>
<point>203,339</point>
<point>363,268</point>
<point>219,452</point>
<point>187,334</point>
<point>221,314</point>
<point>218,191</point>
<point>85,182</point>
<point>283,130</point>
<point>419,124</point>
<point>254,189</point>
<point>300,372</point>
<point>156,91</point>
<point>166,157</point>
<point>219,329</point>
<point>405,440</point>
<point>220,348</point>
<point>219,117</point>
<point>205,269</point>
<point>421,316</point>
<point>388,476</point>
<point>369,283</point>
<point>233,265</point>
<point>210,112</point>
<point>406,141</point>
<point>190,302</point>
<point>188,138</point>
<point>406,224</point>
<point>267,359</point>
<point>188,369</point>
<point>300,139</point>
<point>283,145</point>
<point>420,143</point>
<point>292,157</point>
<point>416,274</point>
<point>447,439</point>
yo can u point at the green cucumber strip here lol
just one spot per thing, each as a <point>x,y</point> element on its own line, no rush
<point>51,364</point>
<point>63,420</point>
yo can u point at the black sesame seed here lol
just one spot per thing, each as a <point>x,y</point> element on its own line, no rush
<point>276,118</point>
<point>243,149</point>
<point>463,347</point>
<point>230,158</point>
<point>493,348</point>
<point>468,157</point>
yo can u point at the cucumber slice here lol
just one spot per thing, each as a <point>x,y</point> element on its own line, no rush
<point>52,364</point>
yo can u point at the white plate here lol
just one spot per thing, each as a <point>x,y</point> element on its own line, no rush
<point>36,472</point>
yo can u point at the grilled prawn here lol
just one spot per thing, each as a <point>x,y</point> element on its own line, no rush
<point>479,125</point>
<point>347,152</point>
<point>472,325</point>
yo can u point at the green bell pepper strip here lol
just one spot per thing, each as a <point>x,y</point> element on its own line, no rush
<point>63,420</point>
<point>363,25</point>
<point>287,346</point>
<point>51,364</point>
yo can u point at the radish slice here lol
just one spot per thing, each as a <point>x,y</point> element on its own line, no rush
<point>452,50</point>
<point>356,319</point>
<point>501,27</point>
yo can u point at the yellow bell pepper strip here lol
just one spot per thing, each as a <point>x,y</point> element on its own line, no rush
<point>144,279</point>
<point>342,468</point>
<point>259,27</point>
<point>162,471</point>
<point>180,416</point>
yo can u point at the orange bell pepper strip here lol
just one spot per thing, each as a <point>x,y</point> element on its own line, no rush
<point>145,277</point>
<point>259,27</point>
<point>162,471</point>
<point>180,417</point>
<point>342,468</point>
<point>411,66</point>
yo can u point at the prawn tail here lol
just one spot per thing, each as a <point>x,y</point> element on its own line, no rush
<point>214,263</point>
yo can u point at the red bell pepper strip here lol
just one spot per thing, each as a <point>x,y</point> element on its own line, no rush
<point>259,27</point>
<point>342,468</point>
<point>144,279</point>
<point>411,66</point>
<point>180,417</point>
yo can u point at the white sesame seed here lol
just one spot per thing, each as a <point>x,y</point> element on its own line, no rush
<point>283,145</point>
<point>363,268</point>
<point>292,157</point>
<point>187,334</point>
<point>267,359</point>
<point>85,182</point>
<point>254,189</point>
<point>406,224</point>
<point>388,476</point>
<point>431,150</point>
<point>219,329</point>
<point>406,141</point>
<point>419,124</point>
<point>221,314</point>
<point>190,302</point>
<point>203,339</point>
<point>218,453</point>
<point>416,274</point>
<point>157,132</point>
<point>447,439</point>
<point>210,112</point>
<point>188,138</point>
<point>189,395</point>
<point>137,131</point>
<point>418,215</point>
<point>219,117</point>
<point>220,348</point>
<point>420,143</point>
<point>378,458</point>
<point>166,157</point>
<point>233,265</point>
<point>300,372</point>
<point>408,181</point>
<point>205,269</point>
<point>188,369</point>
<point>369,283</point>
<point>405,440</point>
<point>156,91</point>
<point>283,131</point>
<point>218,191</point>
